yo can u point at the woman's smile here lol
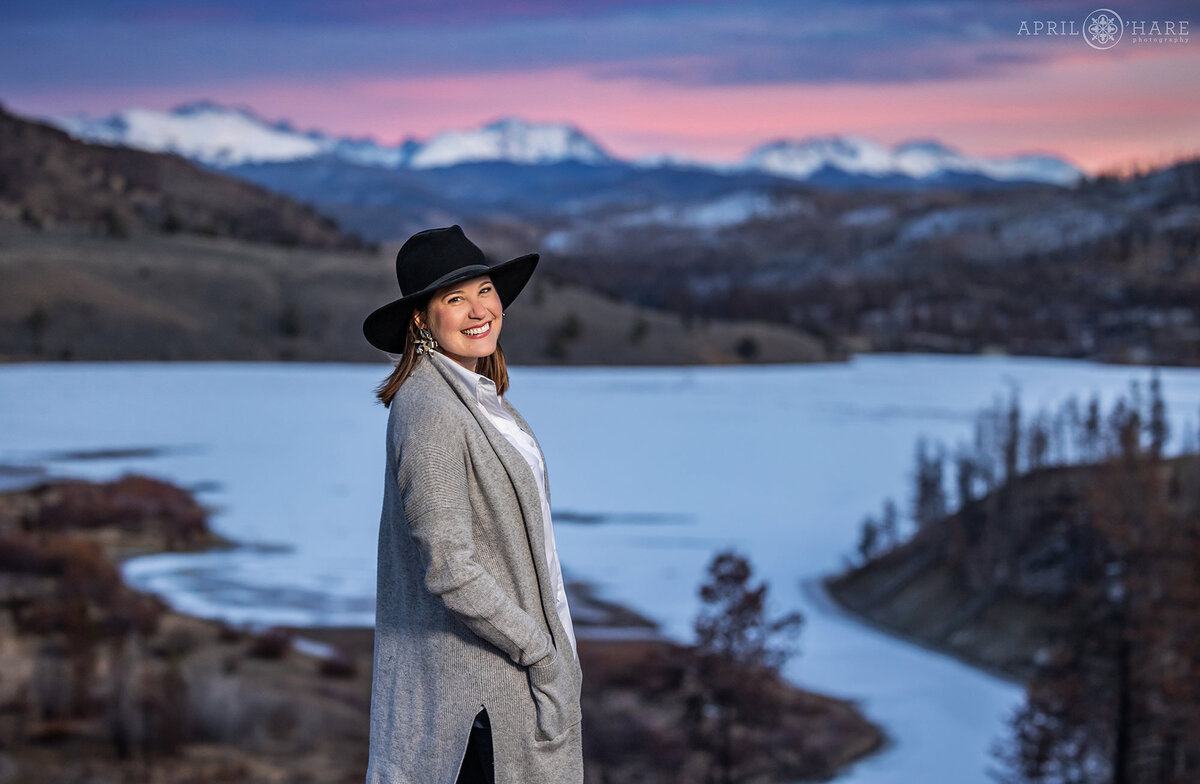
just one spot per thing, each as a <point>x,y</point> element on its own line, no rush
<point>474,304</point>
<point>478,332</point>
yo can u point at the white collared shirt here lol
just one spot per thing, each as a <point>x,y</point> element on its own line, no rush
<point>489,401</point>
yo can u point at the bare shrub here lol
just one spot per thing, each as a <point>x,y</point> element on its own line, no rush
<point>270,644</point>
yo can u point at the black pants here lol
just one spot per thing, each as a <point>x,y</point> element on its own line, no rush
<point>477,765</point>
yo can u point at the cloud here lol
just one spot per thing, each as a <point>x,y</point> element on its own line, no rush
<point>754,42</point>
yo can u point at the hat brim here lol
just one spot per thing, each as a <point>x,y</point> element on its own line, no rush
<point>387,327</point>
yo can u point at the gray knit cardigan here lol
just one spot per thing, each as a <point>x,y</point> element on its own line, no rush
<point>465,615</point>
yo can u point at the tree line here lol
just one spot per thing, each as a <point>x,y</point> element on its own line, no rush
<point>1081,509</point>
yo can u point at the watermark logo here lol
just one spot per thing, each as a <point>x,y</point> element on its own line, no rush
<point>1104,28</point>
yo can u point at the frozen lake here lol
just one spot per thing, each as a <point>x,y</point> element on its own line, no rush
<point>651,471</point>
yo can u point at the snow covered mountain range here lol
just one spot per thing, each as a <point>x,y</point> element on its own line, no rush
<point>226,137</point>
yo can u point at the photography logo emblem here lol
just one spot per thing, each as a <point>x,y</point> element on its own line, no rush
<point>1102,28</point>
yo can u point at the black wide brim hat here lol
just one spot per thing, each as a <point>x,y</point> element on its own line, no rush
<point>430,260</point>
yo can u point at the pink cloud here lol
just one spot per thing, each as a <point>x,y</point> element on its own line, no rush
<point>1094,109</point>
<point>1098,109</point>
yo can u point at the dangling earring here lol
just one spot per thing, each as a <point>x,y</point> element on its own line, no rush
<point>425,342</point>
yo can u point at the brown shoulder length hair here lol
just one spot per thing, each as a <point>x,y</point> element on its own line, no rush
<point>492,366</point>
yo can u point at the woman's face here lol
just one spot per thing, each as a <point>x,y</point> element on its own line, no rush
<point>465,319</point>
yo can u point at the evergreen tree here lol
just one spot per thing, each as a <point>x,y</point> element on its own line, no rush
<point>1012,440</point>
<point>868,539</point>
<point>929,505</point>
<point>1119,701</point>
<point>1091,431</point>
<point>739,652</point>
<point>965,472</point>
<point>1157,426</point>
<point>889,525</point>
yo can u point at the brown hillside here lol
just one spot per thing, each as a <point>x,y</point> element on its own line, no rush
<point>47,178</point>
<point>1076,574</point>
<point>998,582</point>
<point>107,685</point>
<point>72,294</point>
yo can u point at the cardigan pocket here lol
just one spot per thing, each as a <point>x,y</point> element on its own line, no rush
<point>554,697</point>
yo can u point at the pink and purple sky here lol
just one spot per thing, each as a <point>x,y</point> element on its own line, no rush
<point>704,79</point>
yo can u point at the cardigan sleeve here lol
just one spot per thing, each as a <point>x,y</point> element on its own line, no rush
<point>432,477</point>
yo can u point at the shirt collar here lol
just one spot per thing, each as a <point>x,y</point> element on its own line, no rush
<point>484,387</point>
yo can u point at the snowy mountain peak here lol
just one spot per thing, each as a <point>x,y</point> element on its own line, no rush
<point>223,136</point>
<point>917,158</point>
<point>801,159</point>
<point>510,139</point>
<point>211,111</point>
<point>928,145</point>
<point>925,146</point>
<point>203,107</point>
<point>508,125</point>
<point>203,131</point>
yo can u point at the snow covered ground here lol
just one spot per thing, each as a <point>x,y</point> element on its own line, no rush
<point>651,471</point>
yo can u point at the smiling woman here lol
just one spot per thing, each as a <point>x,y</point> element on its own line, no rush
<point>465,320</point>
<point>449,289</point>
<point>476,675</point>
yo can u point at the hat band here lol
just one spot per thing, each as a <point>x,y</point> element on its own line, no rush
<point>455,274</point>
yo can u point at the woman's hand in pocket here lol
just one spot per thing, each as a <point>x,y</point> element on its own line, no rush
<point>554,696</point>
